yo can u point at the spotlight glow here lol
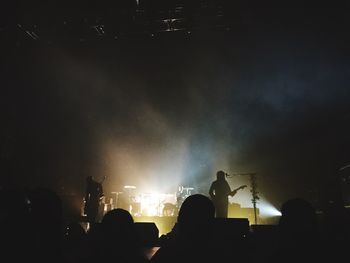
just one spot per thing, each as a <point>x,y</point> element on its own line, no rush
<point>268,210</point>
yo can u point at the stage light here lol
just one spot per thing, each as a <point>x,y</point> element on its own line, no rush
<point>268,210</point>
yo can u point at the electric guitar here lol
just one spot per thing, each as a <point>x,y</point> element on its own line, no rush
<point>233,192</point>
<point>217,200</point>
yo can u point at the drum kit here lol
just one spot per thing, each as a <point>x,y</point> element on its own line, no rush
<point>150,204</point>
<point>182,194</point>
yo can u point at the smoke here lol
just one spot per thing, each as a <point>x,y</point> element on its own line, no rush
<point>154,128</point>
<point>162,113</point>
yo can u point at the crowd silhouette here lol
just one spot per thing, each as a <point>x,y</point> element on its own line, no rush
<point>33,228</point>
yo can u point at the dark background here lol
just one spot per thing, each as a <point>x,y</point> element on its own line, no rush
<point>231,85</point>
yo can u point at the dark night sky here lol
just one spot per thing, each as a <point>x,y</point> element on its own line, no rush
<point>270,97</point>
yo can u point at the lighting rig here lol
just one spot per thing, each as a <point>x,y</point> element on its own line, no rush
<point>114,21</point>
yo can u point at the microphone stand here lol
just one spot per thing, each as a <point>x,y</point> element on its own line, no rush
<point>254,192</point>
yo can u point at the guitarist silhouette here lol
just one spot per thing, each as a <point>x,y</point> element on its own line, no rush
<point>93,197</point>
<point>219,192</point>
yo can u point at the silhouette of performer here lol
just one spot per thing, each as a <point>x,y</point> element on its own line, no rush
<point>93,196</point>
<point>219,192</point>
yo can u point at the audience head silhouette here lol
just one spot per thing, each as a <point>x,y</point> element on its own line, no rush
<point>193,233</point>
<point>118,220</point>
<point>299,238</point>
<point>119,235</point>
<point>196,214</point>
<point>298,217</point>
